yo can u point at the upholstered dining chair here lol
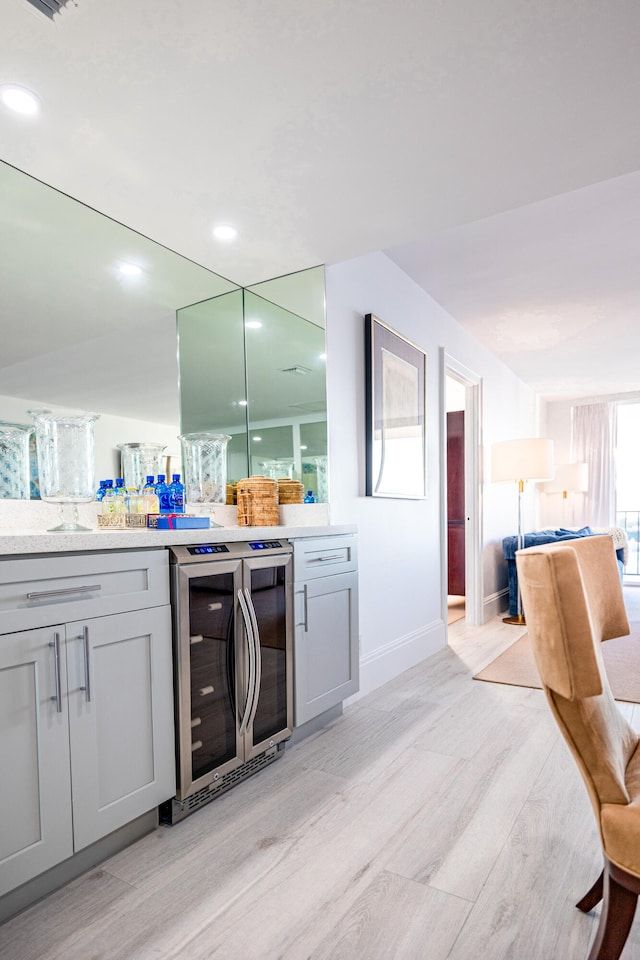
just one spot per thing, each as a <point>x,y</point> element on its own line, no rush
<point>572,600</point>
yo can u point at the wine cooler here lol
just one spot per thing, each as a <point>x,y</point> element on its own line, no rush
<point>233,642</point>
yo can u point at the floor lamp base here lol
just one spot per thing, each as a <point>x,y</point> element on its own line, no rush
<point>517,619</point>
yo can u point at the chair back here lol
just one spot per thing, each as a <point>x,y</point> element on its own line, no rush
<point>572,601</point>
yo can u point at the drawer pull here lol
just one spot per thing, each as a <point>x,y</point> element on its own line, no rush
<point>67,591</point>
<point>196,638</point>
<point>196,722</point>
<point>214,606</point>
<point>196,745</point>
<point>204,691</point>
<point>335,556</point>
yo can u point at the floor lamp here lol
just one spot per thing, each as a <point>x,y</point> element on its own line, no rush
<point>519,461</point>
<point>569,478</point>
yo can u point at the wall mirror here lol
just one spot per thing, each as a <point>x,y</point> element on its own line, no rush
<point>76,332</point>
<point>272,402</point>
<point>79,334</point>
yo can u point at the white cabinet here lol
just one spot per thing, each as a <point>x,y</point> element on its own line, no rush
<point>86,708</point>
<point>326,647</point>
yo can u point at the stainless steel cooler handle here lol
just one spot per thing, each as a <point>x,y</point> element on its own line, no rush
<point>252,661</point>
<point>256,641</point>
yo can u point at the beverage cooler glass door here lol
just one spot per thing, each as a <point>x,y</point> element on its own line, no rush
<point>210,692</point>
<point>268,581</point>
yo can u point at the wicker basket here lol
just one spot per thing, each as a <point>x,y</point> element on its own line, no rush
<point>257,502</point>
<point>290,491</point>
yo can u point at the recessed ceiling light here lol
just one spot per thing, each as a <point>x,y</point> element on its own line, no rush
<point>302,446</point>
<point>130,269</point>
<point>20,99</point>
<point>242,403</point>
<point>225,231</point>
<point>257,439</point>
<point>322,356</point>
<point>253,324</point>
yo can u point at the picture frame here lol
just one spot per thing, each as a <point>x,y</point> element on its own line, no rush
<point>396,413</point>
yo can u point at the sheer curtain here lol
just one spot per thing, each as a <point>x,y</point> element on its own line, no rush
<point>594,442</point>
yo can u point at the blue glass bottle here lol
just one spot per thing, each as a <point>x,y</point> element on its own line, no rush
<point>163,494</point>
<point>177,494</point>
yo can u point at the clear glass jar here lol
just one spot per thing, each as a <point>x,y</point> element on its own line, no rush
<point>138,460</point>
<point>14,461</point>
<point>204,464</point>
<point>66,462</point>
<point>281,469</point>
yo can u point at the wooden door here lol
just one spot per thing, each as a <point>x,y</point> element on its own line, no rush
<point>455,503</point>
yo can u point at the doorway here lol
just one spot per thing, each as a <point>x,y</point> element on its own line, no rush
<point>461,539</point>
<point>456,523</point>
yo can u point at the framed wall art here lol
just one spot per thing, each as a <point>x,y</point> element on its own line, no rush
<point>395,379</point>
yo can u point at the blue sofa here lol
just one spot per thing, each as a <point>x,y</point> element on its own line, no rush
<point>510,545</point>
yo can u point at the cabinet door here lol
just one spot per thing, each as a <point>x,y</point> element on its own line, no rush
<point>120,719</point>
<point>35,827</point>
<point>326,644</point>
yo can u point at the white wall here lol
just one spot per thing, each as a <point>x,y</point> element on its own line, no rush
<point>400,551</point>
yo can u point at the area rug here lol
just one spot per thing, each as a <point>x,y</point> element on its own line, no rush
<point>517,668</point>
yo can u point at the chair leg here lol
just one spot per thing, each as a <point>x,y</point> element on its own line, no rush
<point>618,909</point>
<point>593,896</point>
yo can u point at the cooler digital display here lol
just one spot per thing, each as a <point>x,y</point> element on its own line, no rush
<point>207,548</point>
<point>264,544</point>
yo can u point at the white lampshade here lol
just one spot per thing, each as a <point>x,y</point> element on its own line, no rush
<point>569,478</point>
<point>529,459</point>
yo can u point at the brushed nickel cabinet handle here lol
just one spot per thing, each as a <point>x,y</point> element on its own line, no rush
<point>57,698</point>
<point>87,670</point>
<point>67,591</point>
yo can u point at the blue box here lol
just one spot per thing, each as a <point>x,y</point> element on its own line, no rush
<point>177,522</point>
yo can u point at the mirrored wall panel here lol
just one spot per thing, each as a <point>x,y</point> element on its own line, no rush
<point>273,404</point>
<point>88,316</point>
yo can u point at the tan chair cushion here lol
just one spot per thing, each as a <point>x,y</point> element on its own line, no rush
<point>572,599</point>
<point>620,825</point>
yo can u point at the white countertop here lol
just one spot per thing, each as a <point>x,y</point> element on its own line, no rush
<point>25,531</point>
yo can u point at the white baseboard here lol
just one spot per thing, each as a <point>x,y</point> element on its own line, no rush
<point>393,658</point>
<point>495,604</point>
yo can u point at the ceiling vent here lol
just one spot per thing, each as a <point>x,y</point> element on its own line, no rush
<point>310,406</point>
<point>297,371</point>
<point>49,7</point>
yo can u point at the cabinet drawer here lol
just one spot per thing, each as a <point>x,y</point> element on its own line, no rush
<point>324,556</point>
<point>38,591</point>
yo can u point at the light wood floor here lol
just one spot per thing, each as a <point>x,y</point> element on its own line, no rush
<point>440,817</point>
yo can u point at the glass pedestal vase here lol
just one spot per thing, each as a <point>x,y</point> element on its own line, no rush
<point>14,461</point>
<point>204,464</point>
<point>139,460</point>
<point>66,463</point>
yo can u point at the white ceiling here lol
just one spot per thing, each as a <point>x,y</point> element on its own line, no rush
<point>491,148</point>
